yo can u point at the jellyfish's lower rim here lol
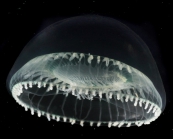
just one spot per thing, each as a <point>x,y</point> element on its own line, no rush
<point>127,84</point>
<point>150,108</point>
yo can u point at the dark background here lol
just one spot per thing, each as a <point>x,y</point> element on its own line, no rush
<point>20,20</point>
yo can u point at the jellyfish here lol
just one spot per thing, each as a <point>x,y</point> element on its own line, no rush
<point>88,70</point>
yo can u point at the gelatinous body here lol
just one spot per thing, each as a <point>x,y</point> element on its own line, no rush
<point>88,69</point>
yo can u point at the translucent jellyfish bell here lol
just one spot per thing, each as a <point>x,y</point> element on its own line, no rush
<point>88,70</point>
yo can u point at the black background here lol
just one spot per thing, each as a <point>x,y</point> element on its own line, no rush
<point>20,20</point>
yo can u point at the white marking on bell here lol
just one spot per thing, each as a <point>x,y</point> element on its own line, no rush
<point>65,56</point>
<point>120,66</point>
<point>32,111</point>
<point>38,113</point>
<point>129,124</point>
<point>90,58</point>
<point>17,93</point>
<point>140,123</point>
<point>26,108</point>
<point>30,84</point>
<point>20,91</point>
<point>64,119</point>
<point>57,86</point>
<point>51,86</point>
<point>128,69</point>
<point>39,84</point>
<point>20,86</point>
<point>122,100</point>
<point>113,61</point>
<point>15,90</point>
<point>157,113</point>
<point>42,112</point>
<point>152,119</point>
<point>80,91</point>
<point>140,102</point>
<point>118,95</point>
<point>66,94</point>
<point>91,123</point>
<point>154,109</point>
<point>121,124</point>
<point>82,123</point>
<point>48,116</point>
<point>57,91</point>
<point>94,92</point>
<point>73,91</point>
<point>121,77</point>
<point>56,57</point>
<point>63,88</point>
<point>48,89</point>
<point>98,124</point>
<point>100,94</point>
<point>35,82</point>
<point>115,123</point>
<point>147,122</point>
<point>136,95</point>
<point>57,118</point>
<point>15,87</point>
<point>106,60</point>
<point>151,106</point>
<point>61,54</point>
<point>17,100</point>
<point>117,62</point>
<point>70,120</point>
<point>136,123</point>
<point>136,102</point>
<point>109,124</point>
<point>81,56</point>
<point>25,85</point>
<point>146,105</point>
<point>127,98</point>
<point>131,98</point>
<point>53,116</point>
<point>73,56</point>
<point>76,55</point>
<point>41,78</point>
<point>44,84</point>
<point>73,121</point>
<point>98,59</point>
<point>110,95</point>
<point>86,92</point>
